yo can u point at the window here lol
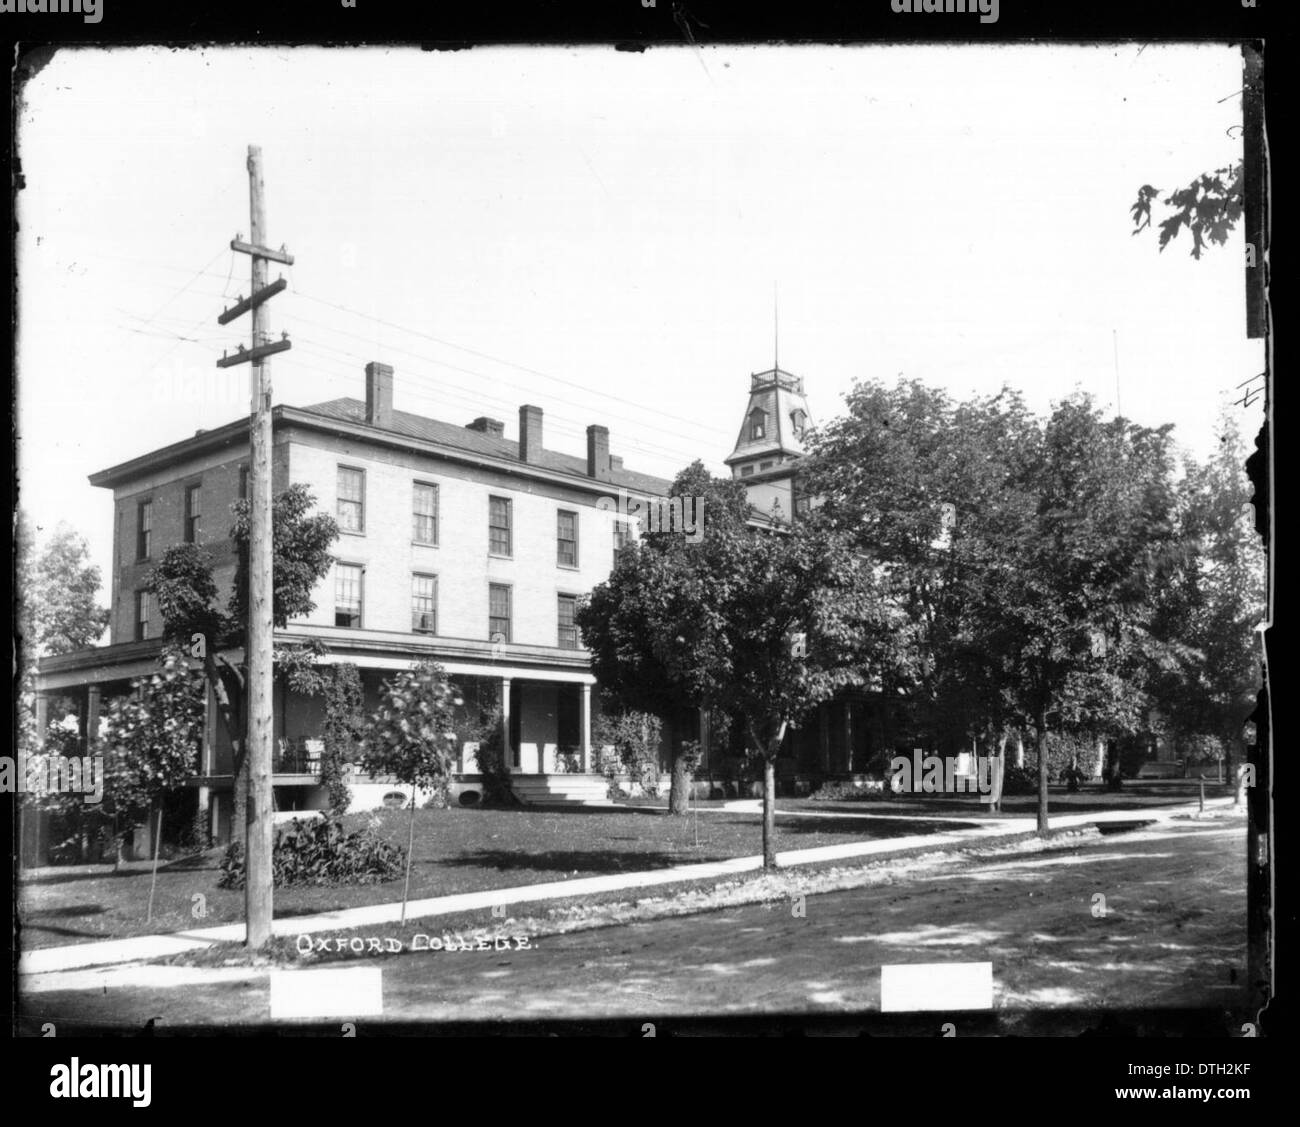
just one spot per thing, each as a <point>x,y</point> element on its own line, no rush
<point>765,466</point>
<point>622,539</point>
<point>424,604</point>
<point>143,529</point>
<point>757,424</point>
<point>499,526</point>
<point>142,601</point>
<point>568,606</point>
<point>347,594</point>
<point>352,499</point>
<point>566,538</point>
<point>424,514</point>
<point>798,420</point>
<point>193,511</point>
<point>746,471</point>
<point>243,483</point>
<point>499,610</point>
<point>802,506</point>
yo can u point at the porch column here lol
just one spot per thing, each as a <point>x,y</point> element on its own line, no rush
<point>584,728</point>
<point>94,699</point>
<point>848,737</point>
<point>506,750</point>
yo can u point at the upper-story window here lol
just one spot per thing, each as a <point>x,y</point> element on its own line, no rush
<point>765,466</point>
<point>757,424</point>
<point>142,609</point>
<point>499,526</point>
<point>566,538</point>
<point>424,604</point>
<point>143,529</point>
<point>424,513</point>
<point>567,609</point>
<point>499,611</point>
<point>193,511</point>
<point>799,420</point>
<point>622,538</point>
<point>352,499</point>
<point>746,471</point>
<point>348,583</point>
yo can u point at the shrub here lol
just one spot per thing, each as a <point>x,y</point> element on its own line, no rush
<point>491,758</point>
<point>635,737</point>
<point>1020,780</point>
<point>321,852</point>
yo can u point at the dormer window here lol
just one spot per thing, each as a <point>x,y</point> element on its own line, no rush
<point>757,424</point>
<point>799,419</point>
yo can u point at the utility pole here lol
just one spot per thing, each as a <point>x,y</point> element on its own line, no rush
<point>259,684</point>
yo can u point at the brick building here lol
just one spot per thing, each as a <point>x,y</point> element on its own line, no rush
<point>456,544</point>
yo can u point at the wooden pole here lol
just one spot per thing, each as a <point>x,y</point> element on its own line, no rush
<point>259,840</point>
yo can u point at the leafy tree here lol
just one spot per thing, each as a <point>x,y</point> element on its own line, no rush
<point>1209,208</point>
<point>187,596</point>
<point>1064,602</point>
<point>1213,605</point>
<point>412,738</point>
<point>155,736</point>
<point>59,613</point>
<point>653,628</point>
<point>714,623</point>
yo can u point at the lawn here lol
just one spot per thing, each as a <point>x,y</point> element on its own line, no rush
<point>456,850</point>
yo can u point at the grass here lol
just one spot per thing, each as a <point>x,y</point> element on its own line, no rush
<point>456,850</point>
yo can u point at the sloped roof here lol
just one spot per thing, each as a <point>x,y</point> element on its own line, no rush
<point>477,442</point>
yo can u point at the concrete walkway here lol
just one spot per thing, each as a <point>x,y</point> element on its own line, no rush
<point>46,960</point>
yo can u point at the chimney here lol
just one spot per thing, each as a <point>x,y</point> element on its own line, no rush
<point>487,426</point>
<point>379,394</point>
<point>530,434</point>
<point>615,462</point>
<point>598,452</point>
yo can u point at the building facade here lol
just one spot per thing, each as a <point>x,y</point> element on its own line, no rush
<point>456,544</point>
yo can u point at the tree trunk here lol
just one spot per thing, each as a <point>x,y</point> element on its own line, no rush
<point>410,852</point>
<point>1041,739</point>
<point>679,796</point>
<point>769,810</point>
<point>1020,749</point>
<point>157,849</point>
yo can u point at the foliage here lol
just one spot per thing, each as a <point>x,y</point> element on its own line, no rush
<point>1019,781</point>
<point>635,736</point>
<point>58,612</point>
<point>321,852</point>
<point>491,756</point>
<point>411,736</point>
<point>343,732</point>
<point>1209,207</point>
<point>301,547</point>
<point>155,736</point>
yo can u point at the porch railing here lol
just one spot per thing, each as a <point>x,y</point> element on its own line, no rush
<point>296,757</point>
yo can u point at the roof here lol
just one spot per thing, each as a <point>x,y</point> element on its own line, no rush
<point>478,442</point>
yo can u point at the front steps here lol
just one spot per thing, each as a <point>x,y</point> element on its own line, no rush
<point>561,790</point>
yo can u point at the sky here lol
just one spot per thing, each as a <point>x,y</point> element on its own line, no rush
<point>616,237</point>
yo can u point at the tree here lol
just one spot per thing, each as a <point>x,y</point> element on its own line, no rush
<point>714,624</point>
<point>635,738</point>
<point>1064,600</point>
<point>59,612</point>
<point>1214,605</point>
<point>187,596</point>
<point>1209,207</point>
<point>155,736</point>
<point>653,627</point>
<point>412,738</point>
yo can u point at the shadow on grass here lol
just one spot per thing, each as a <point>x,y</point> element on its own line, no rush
<point>868,830</point>
<point>583,861</point>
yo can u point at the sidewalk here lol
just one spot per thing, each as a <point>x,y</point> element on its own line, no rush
<point>120,951</point>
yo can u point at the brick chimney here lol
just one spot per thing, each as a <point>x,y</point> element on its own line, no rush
<point>379,394</point>
<point>598,452</point>
<point>530,434</point>
<point>484,425</point>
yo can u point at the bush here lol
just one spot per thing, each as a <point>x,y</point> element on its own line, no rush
<point>1020,780</point>
<point>318,853</point>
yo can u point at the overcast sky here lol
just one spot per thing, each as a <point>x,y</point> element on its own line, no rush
<point>599,233</point>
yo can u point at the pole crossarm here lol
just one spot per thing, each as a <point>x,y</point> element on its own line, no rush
<point>244,304</point>
<point>262,252</point>
<point>253,355</point>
